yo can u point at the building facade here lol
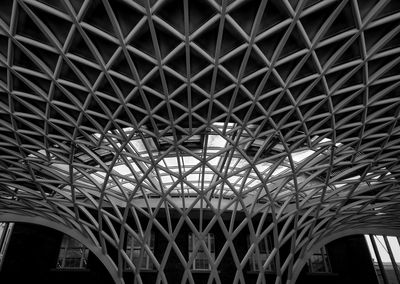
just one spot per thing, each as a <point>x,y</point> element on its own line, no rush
<point>41,255</point>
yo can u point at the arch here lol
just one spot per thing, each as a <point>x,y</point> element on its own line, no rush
<point>298,266</point>
<point>37,220</point>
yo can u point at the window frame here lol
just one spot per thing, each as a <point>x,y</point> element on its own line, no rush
<point>201,261</point>
<point>70,245</point>
<point>264,251</point>
<point>133,247</point>
<point>323,256</point>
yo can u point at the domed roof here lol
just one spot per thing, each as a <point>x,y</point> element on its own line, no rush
<point>287,108</point>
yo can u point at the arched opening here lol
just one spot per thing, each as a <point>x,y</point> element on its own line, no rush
<point>51,234</point>
<point>302,262</point>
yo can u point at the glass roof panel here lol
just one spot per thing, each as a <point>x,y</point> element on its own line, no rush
<point>219,175</point>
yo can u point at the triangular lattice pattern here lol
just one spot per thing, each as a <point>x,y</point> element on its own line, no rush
<point>289,109</point>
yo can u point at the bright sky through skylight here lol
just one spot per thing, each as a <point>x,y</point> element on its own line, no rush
<point>382,248</point>
<point>212,165</point>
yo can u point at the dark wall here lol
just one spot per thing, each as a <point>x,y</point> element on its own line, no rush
<point>351,259</point>
<point>351,264</point>
<point>33,252</point>
<point>32,256</point>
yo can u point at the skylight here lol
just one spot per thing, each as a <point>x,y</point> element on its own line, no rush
<point>226,164</point>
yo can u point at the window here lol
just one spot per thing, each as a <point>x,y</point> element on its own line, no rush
<point>5,233</point>
<point>201,261</point>
<point>385,254</point>
<point>264,250</point>
<point>319,262</point>
<point>72,254</point>
<point>134,249</point>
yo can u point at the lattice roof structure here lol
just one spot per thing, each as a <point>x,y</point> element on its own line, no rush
<point>288,109</point>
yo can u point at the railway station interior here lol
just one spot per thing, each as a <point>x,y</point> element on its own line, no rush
<point>200,141</point>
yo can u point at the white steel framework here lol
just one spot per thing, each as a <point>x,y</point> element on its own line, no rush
<point>286,109</point>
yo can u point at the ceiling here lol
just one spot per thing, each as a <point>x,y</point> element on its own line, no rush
<point>287,108</point>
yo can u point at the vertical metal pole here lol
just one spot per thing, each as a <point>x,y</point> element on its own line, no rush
<point>4,240</point>
<point>325,256</point>
<point>378,257</point>
<point>392,259</point>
